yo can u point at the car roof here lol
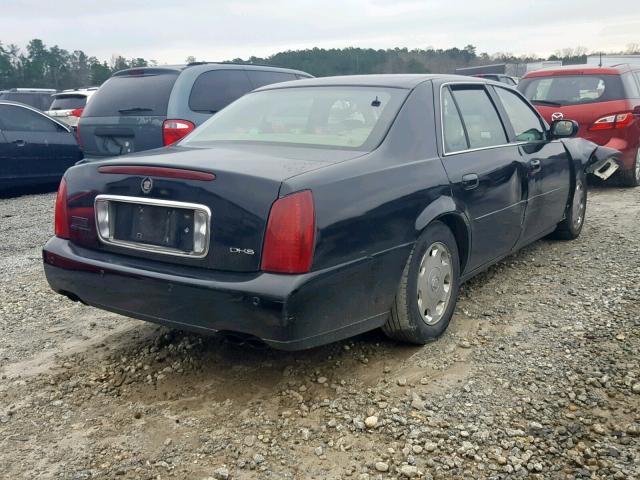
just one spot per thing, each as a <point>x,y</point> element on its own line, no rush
<point>79,91</point>
<point>391,80</point>
<point>583,70</point>
<point>206,66</point>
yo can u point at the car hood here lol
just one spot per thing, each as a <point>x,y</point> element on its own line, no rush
<point>274,162</point>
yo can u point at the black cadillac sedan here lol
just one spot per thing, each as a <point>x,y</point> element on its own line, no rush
<point>310,211</point>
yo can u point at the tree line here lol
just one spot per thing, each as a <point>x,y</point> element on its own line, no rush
<point>53,67</point>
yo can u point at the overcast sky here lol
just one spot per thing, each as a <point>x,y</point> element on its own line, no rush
<point>169,30</point>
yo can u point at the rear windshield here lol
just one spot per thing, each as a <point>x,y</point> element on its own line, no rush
<point>68,102</point>
<point>137,95</point>
<point>572,89</point>
<point>355,118</point>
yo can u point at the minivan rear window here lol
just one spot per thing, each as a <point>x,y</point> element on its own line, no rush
<point>68,102</point>
<point>559,90</point>
<point>138,95</point>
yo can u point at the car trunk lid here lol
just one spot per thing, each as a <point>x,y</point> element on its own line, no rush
<point>236,184</point>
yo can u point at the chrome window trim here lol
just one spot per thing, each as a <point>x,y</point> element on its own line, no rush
<point>444,148</point>
<point>158,203</point>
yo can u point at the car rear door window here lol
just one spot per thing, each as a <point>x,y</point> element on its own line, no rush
<point>135,94</point>
<point>260,78</point>
<point>526,124</point>
<point>214,90</point>
<point>19,119</point>
<point>480,118</point>
<point>455,139</point>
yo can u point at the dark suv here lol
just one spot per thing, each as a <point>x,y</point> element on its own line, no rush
<point>144,108</point>
<point>39,98</point>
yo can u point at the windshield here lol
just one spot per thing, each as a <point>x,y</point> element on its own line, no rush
<point>354,118</point>
<point>572,89</point>
<point>68,102</point>
<point>146,94</point>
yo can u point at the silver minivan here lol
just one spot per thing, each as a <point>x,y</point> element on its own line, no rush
<point>144,108</point>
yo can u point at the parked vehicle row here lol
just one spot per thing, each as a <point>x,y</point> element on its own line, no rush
<point>310,211</point>
<point>137,109</point>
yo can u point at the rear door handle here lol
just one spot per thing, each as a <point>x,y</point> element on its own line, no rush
<point>470,181</point>
<point>535,165</point>
<point>20,143</point>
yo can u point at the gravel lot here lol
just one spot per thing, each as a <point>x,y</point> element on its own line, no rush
<point>537,377</point>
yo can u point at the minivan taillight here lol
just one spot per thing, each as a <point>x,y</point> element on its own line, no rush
<point>78,139</point>
<point>77,112</point>
<point>289,240</point>
<point>61,214</point>
<point>620,120</point>
<point>174,130</point>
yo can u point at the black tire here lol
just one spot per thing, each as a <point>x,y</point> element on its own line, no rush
<point>631,177</point>
<point>571,226</point>
<point>406,323</point>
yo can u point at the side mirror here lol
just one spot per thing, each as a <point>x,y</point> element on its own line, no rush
<point>564,129</point>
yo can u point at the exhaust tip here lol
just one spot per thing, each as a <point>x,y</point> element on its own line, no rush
<point>243,340</point>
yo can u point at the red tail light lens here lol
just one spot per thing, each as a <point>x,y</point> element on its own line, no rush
<point>174,130</point>
<point>78,139</point>
<point>620,120</point>
<point>289,241</point>
<point>77,112</point>
<point>61,214</point>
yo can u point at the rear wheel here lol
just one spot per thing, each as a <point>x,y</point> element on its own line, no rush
<point>571,226</point>
<point>428,291</point>
<point>631,177</point>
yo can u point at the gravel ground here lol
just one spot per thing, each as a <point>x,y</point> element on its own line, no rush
<point>537,377</point>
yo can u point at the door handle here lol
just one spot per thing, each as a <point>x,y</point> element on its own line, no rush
<point>20,143</point>
<point>470,181</point>
<point>535,165</point>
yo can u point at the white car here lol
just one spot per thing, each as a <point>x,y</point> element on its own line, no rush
<point>68,105</point>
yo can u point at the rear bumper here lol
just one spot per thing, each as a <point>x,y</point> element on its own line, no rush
<point>289,312</point>
<point>629,151</point>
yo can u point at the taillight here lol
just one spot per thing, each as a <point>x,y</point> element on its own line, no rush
<point>77,112</point>
<point>174,130</point>
<point>61,214</point>
<point>620,120</point>
<point>289,241</point>
<point>78,139</point>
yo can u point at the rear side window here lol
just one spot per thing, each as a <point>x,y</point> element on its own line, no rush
<point>146,94</point>
<point>454,136</point>
<point>480,118</point>
<point>260,78</point>
<point>68,102</point>
<point>572,89</point>
<point>20,119</point>
<point>214,90</point>
<point>525,122</point>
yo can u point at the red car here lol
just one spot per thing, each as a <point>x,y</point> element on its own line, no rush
<point>605,101</point>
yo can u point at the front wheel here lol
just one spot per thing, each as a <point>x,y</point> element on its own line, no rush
<point>571,226</point>
<point>428,291</point>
